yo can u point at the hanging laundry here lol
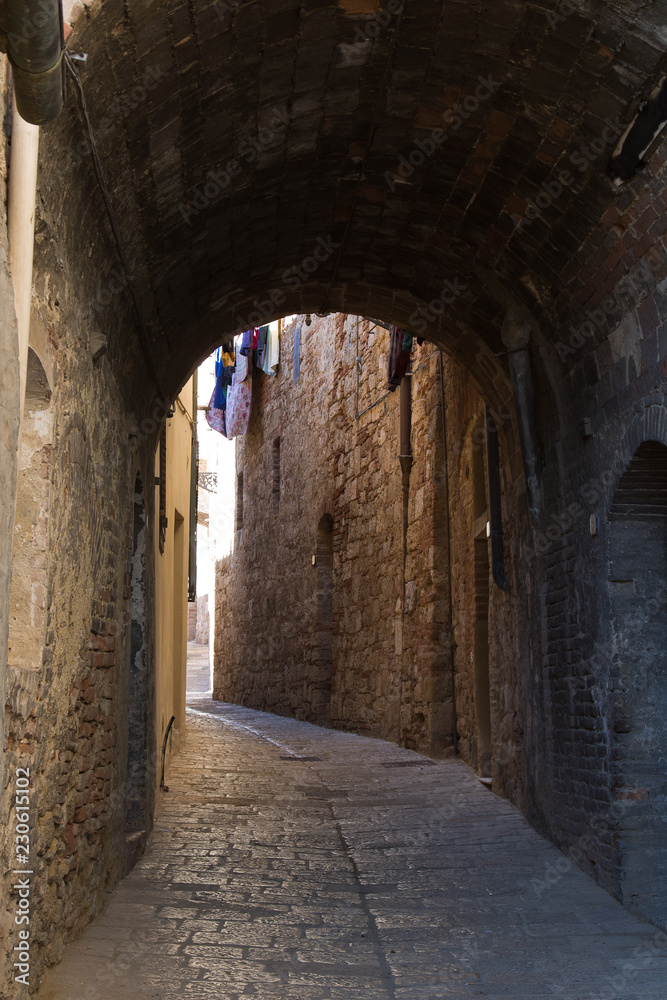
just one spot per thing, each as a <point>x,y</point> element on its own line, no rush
<point>228,354</point>
<point>219,393</point>
<point>239,398</point>
<point>261,346</point>
<point>215,417</point>
<point>224,370</point>
<point>296,355</point>
<point>399,358</point>
<point>246,342</point>
<point>406,343</point>
<point>272,350</point>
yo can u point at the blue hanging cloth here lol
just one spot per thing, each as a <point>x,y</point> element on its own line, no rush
<point>220,394</point>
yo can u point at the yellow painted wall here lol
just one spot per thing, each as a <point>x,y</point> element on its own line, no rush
<point>171,576</point>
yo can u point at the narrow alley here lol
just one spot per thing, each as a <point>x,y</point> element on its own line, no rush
<point>292,862</point>
<point>333,373</point>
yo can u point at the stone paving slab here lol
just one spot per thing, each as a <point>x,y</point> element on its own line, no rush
<point>342,878</point>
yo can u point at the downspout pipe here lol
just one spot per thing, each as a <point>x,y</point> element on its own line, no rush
<point>495,510</point>
<point>516,338</point>
<point>35,47</point>
<point>405,459</point>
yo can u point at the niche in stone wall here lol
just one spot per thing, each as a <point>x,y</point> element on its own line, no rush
<point>28,595</point>
<point>638,599</point>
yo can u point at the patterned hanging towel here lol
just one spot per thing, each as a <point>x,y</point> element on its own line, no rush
<point>239,397</point>
<point>215,417</point>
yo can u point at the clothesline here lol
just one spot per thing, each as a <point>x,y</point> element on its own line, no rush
<point>228,412</point>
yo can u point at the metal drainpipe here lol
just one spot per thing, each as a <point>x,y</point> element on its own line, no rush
<point>35,47</point>
<point>405,459</point>
<point>495,512</point>
<point>516,337</point>
<point>21,198</point>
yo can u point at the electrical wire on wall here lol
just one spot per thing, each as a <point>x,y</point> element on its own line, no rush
<point>144,337</point>
<point>359,369</point>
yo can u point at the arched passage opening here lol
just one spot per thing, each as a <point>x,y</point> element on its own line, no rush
<point>262,162</point>
<point>638,597</point>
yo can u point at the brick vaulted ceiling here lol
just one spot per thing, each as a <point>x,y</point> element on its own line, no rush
<point>316,120</point>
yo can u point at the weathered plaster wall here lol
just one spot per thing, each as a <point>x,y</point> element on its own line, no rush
<point>9,420</point>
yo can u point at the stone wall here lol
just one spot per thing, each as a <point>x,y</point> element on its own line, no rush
<point>201,635</point>
<point>192,620</point>
<point>388,669</point>
<point>66,712</point>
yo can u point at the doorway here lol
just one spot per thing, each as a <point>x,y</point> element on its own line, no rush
<point>137,742</point>
<point>638,600</point>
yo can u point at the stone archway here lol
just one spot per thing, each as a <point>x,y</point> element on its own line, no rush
<point>638,598</point>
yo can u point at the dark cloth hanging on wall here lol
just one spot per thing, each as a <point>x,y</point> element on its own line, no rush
<point>261,346</point>
<point>246,342</point>
<point>399,358</point>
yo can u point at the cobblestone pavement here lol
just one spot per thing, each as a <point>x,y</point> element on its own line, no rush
<point>290,862</point>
